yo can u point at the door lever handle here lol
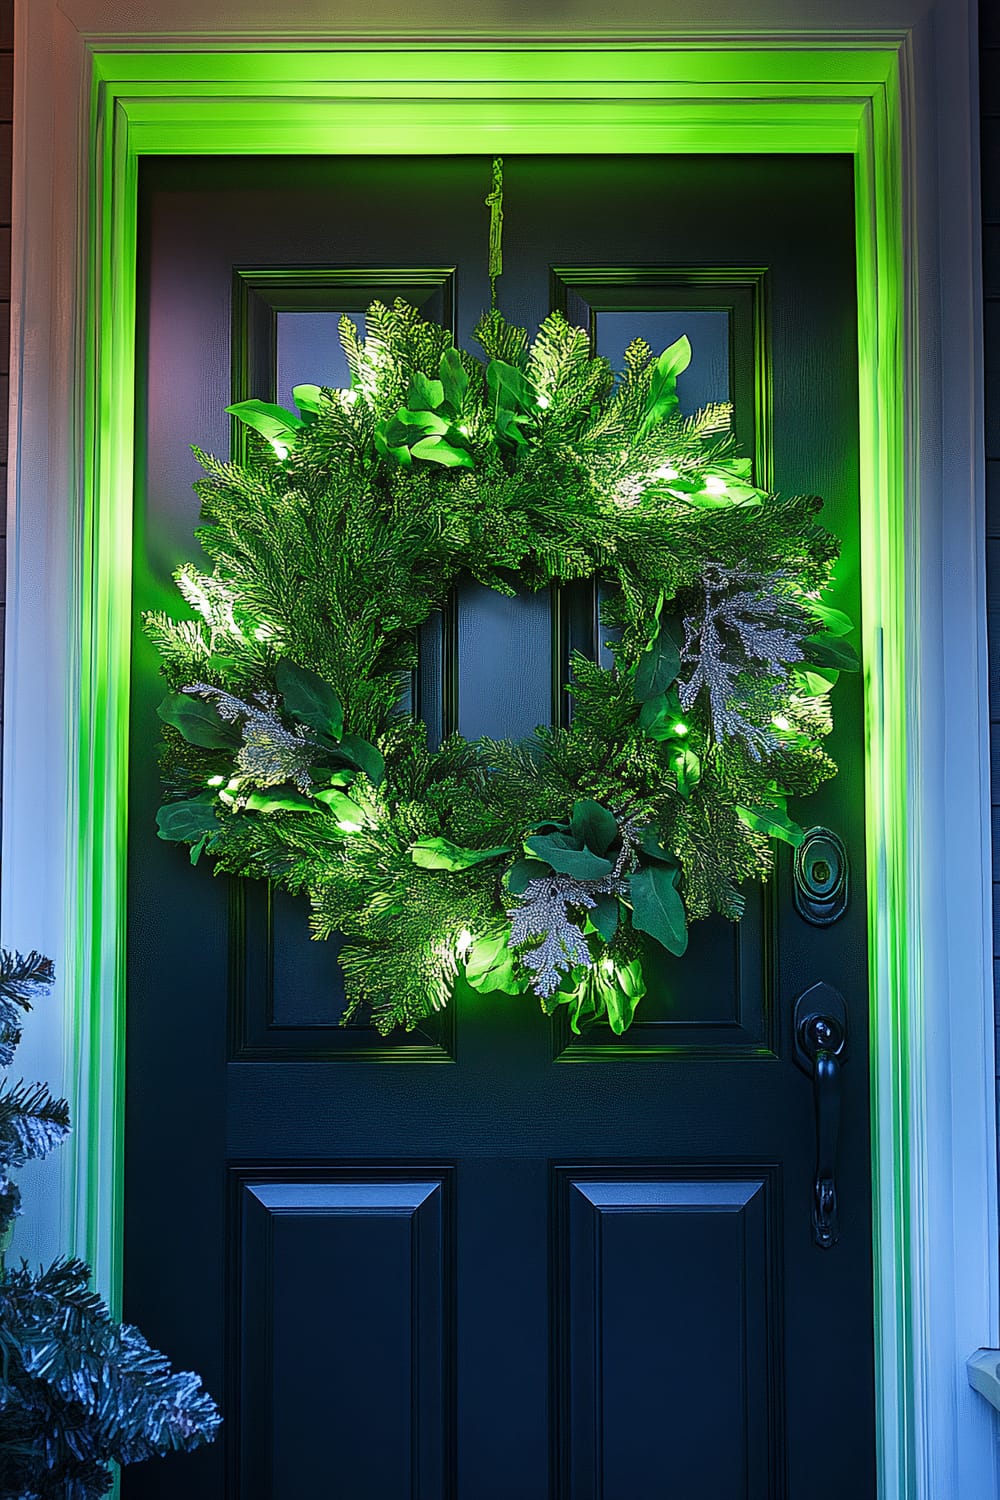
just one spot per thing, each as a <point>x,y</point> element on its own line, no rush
<point>820,1024</point>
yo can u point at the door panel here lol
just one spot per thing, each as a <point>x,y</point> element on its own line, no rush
<point>648,1374</point>
<point>499,1275</point>
<point>381,1306</point>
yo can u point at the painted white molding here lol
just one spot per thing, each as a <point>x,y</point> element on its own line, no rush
<point>983,1369</point>
<point>952,1039</point>
<point>170,23</point>
<point>51,105</point>
<point>951,1302</point>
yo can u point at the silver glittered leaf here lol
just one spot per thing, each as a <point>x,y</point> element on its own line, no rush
<point>270,753</point>
<point>747,634</point>
<point>543,913</point>
<point>551,939</point>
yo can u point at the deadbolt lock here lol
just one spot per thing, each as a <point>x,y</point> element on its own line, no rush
<point>820,881</point>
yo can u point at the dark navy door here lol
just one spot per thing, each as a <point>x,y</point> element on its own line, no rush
<point>491,1260</point>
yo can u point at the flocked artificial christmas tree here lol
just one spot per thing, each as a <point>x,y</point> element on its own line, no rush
<point>77,1390</point>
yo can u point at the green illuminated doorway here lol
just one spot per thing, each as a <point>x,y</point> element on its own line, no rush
<point>682,1166</point>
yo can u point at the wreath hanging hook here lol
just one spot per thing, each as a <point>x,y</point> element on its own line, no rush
<point>494,202</point>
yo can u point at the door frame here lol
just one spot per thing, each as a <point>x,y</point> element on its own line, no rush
<point>91,99</point>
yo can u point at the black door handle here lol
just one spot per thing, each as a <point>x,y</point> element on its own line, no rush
<point>821,1050</point>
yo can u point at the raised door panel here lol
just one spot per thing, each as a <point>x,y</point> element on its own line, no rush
<point>669,1333</point>
<point>344,1322</point>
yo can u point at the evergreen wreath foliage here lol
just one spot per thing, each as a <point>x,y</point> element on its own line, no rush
<point>543,866</point>
<point>78,1391</point>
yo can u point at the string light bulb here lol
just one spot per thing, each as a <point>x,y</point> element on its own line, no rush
<point>463,943</point>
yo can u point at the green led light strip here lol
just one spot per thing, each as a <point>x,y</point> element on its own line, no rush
<point>535,98</point>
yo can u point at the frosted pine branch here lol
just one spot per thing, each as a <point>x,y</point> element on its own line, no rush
<point>748,622</point>
<point>270,753</point>
<point>543,912</point>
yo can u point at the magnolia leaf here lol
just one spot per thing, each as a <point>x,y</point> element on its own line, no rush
<point>396,448</point>
<point>662,718</point>
<point>521,872</point>
<point>686,766</point>
<point>583,1007</point>
<point>580,995</point>
<point>773,821</point>
<point>709,500</point>
<point>492,966</point>
<point>271,421</point>
<point>814,682</point>
<point>221,664</point>
<point>735,493</point>
<point>507,387</point>
<point>454,379</point>
<point>630,978</point>
<point>308,398</point>
<point>675,358</point>
<point>188,821</point>
<point>364,757</point>
<point>342,777</point>
<point>621,994</point>
<point>290,801</point>
<point>834,621</point>
<point>198,849</point>
<point>604,915</point>
<point>507,426</point>
<point>418,422</point>
<point>442,854</point>
<point>565,854</point>
<point>609,991</point>
<point>400,434</point>
<point>350,817</point>
<point>199,722</point>
<point>309,699</point>
<point>593,826</point>
<point>652,846</point>
<point>657,907</point>
<point>657,668</point>
<point>423,394</point>
<point>439,451</point>
<point>826,650</point>
<point>662,399</point>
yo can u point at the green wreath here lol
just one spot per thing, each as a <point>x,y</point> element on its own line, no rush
<point>544,866</point>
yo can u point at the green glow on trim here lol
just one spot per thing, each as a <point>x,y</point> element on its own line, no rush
<point>534,97</point>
